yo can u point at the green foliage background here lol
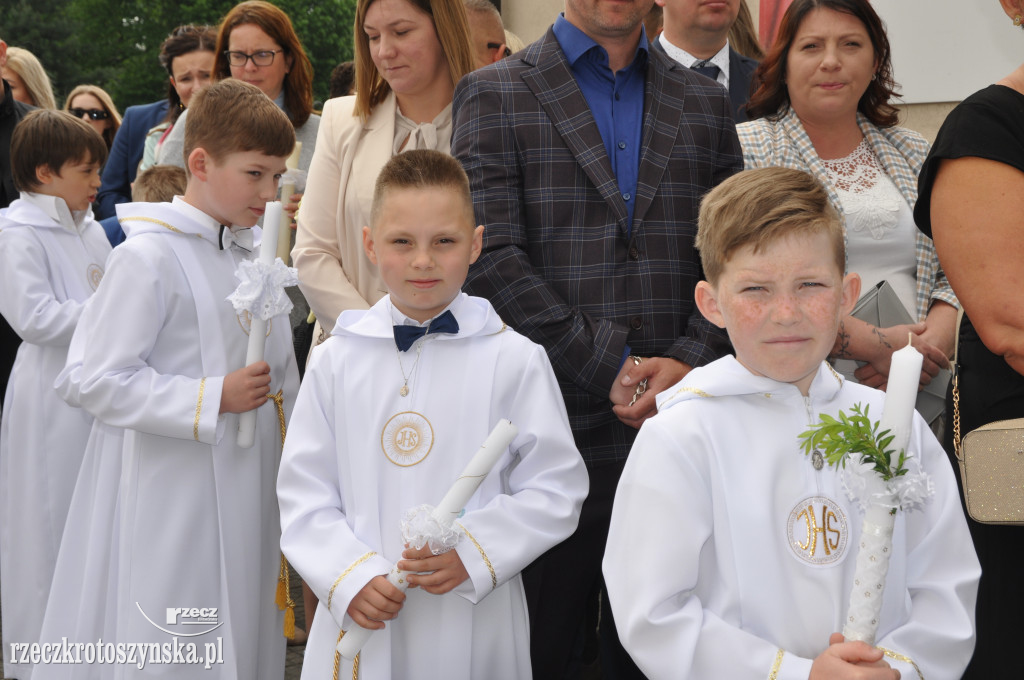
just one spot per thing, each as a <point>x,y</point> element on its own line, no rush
<point>115,43</point>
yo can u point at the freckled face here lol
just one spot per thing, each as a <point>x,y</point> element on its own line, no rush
<point>781,306</point>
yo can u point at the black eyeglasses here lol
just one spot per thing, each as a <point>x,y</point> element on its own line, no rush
<point>95,114</point>
<point>261,58</point>
<point>494,46</point>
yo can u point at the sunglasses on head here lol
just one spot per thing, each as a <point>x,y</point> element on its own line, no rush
<point>95,114</point>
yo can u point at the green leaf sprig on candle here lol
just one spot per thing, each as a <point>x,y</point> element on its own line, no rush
<point>836,439</point>
<point>869,474</point>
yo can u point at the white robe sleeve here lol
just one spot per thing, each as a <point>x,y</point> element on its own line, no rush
<point>661,519</point>
<point>315,533</point>
<point>108,371</point>
<point>27,298</point>
<point>546,486</point>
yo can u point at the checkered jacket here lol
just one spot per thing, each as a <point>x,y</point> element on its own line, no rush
<point>559,263</point>
<point>785,143</point>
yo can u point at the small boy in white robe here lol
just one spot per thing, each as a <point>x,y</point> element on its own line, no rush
<point>731,553</point>
<point>52,254</point>
<point>392,408</point>
<point>173,537</point>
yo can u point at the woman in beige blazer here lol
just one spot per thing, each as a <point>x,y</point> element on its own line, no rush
<point>409,55</point>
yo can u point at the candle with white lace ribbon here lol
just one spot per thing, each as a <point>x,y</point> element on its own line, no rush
<point>882,501</point>
<point>424,525</point>
<point>261,294</point>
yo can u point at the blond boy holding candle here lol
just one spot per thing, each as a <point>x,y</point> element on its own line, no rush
<point>731,553</point>
<point>392,408</point>
<point>173,534</point>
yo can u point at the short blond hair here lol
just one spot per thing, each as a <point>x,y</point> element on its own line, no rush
<point>231,116</point>
<point>759,207</point>
<point>159,184</point>
<point>421,169</point>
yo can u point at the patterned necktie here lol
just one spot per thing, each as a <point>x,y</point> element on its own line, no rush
<point>406,335</point>
<point>706,68</point>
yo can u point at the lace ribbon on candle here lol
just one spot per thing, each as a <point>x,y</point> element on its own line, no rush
<point>420,528</point>
<point>865,486</point>
<point>261,291</point>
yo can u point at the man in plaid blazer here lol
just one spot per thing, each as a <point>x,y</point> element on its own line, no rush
<point>588,248</point>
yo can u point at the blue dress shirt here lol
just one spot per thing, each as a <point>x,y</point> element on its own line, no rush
<point>615,99</point>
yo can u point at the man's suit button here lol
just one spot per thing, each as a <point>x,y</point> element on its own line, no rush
<point>634,254</point>
<point>636,323</point>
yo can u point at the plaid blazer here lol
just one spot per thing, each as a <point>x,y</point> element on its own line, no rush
<point>559,263</point>
<point>785,143</point>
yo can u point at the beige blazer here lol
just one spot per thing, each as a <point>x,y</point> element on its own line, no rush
<point>334,272</point>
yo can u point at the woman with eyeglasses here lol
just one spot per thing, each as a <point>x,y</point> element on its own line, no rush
<point>93,105</point>
<point>256,43</point>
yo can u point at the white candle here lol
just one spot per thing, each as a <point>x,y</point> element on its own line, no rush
<point>876,533</point>
<point>901,396</point>
<point>257,326</point>
<point>284,239</point>
<point>445,513</point>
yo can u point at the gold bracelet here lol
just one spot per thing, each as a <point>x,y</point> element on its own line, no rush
<point>642,385</point>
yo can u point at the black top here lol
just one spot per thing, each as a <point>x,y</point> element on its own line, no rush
<point>988,124</point>
<point>11,112</point>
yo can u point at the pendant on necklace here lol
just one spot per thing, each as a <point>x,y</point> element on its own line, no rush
<point>817,460</point>
<point>405,392</point>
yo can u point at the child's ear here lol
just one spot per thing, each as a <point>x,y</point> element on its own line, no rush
<point>707,302</point>
<point>478,243</point>
<point>45,174</point>
<point>198,163</point>
<point>368,244</point>
<point>851,293</point>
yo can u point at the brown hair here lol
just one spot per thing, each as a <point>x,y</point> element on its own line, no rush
<point>421,169</point>
<point>452,28</point>
<point>298,82</point>
<point>52,138</point>
<point>183,40</point>
<point>772,96</point>
<point>108,106</point>
<point>742,35</point>
<point>159,184</point>
<point>758,207</point>
<point>231,116</point>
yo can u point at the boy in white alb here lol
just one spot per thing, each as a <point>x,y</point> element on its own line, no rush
<point>380,427</point>
<point>731,552</point>
<point>186,551</point>
<point>52,255</point>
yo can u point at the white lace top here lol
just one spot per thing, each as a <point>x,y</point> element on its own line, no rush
<point>880,229</point>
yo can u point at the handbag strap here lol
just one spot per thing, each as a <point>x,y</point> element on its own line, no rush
<point>956,386</point>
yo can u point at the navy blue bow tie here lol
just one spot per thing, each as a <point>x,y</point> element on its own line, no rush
<point>406,335</point>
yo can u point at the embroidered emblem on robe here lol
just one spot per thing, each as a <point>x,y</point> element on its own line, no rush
<point>407,438</point>
<point>817,531</point>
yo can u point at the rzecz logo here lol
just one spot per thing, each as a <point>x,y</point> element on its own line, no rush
<point>205,617</point>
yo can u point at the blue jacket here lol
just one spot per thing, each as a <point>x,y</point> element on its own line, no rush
<point>125,154</point>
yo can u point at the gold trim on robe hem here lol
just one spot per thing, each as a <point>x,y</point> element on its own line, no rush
<point>774,673</point>
<point>330,594</point>
<point>487,561</point>
<point>901,657</point>
<point>199,409</point>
